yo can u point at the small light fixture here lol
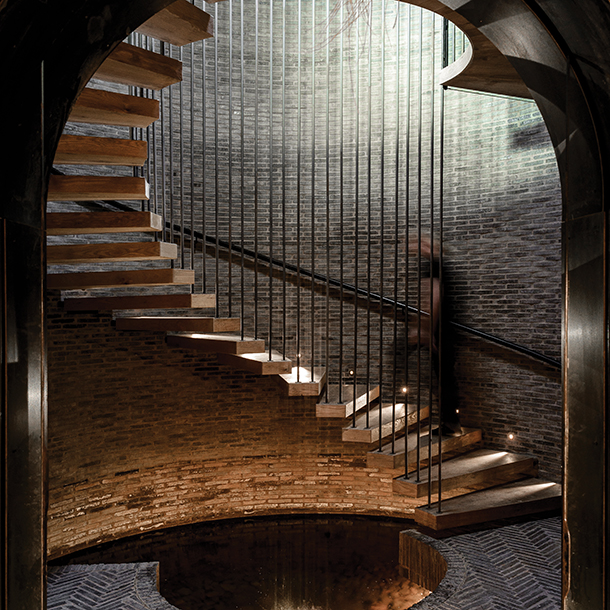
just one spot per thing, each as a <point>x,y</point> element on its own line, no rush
<point>511,436</point>
<point>351,372</point>
<point>404,390</point>
<point>457,410</point>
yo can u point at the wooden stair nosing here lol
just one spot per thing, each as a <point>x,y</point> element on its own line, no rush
<point>304,386</point>
<point>131,65</point>
<point>334,408</point>
<point>179,324</point>
<point>217,343</point>
<point>110,252</point>
<point>257,363</point>
<point>86,223</point>
<point>179,23</point>
<point>517,499</point>
<point>480,467</point>
<point>119,279</point>
<point>100,107</point>
<point>95,188</point>
<point>152,301</point>
<point>389,460</point>
<point>88,150</point>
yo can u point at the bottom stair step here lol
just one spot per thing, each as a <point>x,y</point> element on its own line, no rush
<point>525,497</point>
<point>299,381</point>
<point>478,469</point>
<point>258,364</point>
<point>179,324</point>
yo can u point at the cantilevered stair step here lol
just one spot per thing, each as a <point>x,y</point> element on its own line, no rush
<point>299,381</point>
<point>92,188</point>
<point>111,252</point>
<point>87,150</point>
<point>478,469</point>
<point>394,418</point>
<point>100,107</point>
<point>221,344</point>
<point>343,408</point>
<point>152,301</point>
<point>526,497</point>
<point>386,458</point>
<point>180,23</point>
<point>81,223</point>
<point>179,324</point>
<point>120,279</point>
<point>258,363</point>
<point>130,65</point>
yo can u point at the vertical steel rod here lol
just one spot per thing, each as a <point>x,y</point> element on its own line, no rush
<point>216,167</point>
<point>327,354</point>
<point>341,210</point>
<point>165,234</point>
<point>356,223</point>
<point>270,176</point>
<point>313,185</point>
<point>298,194</point>
<point>181,160</point>
<point>242,172</point>
<point>171,161</point>
<point>369,218</point>
<point>192,151</point>
<point>230,168</point>
<point>284,300</point>
<point>203,165</point>
<point>256,22</point>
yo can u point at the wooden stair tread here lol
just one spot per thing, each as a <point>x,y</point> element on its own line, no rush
<point>180,23</point>
<point>334,408</point>
<point>88,150</point>
<point>80,223</point>
<point>258,363</point>
<point>299,381</point>
<point>100,107</point>
<point>179,324</point>
<point>480,467</point>
<point>111,252</point>
<point>92,188</point>
<point>149,301</point>
<point>130,65</point>
<point>221,344</point>
<point>391,421</point>
<point>118,279</point>
<point>516,499</point>
<point>386,459</point>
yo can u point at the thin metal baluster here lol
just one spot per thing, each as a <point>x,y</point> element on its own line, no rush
<point>242,169</point>
<point>313,185</point>
<point>230,169</point>
<point>341,213</point>
<point>203,166</point>
<point>356,223</point>
<point>181,140</point>
<point>419,210</point>
<point>369,222</point>
<point>256,170</point>
<point>192,151</point>
<point>284,318</point>
<point>171,162</point>
<point>270,177</point>
<point>164,233</point>
<point>327,357</point>
<point>298,194</point>
<point>216,166</point>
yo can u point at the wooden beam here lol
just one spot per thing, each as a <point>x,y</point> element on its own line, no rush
<point>345,408</point>
<point>299,382</point>
<point>107,108</point>
<point>81,223</point>
<point>179,324</point>
<point>217,343</point>
<point>149,301</point>
<point>525,497</point>
<point>86,150</point>
<point>92,188</point>
<point>259,364</point>
<point>119,279</point>
<point>179,24</point>
<point>110,252</point>
<point>130,65</point>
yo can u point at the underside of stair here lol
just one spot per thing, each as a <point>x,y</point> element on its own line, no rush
<point>259,364</point>
<point>301,382</point>
<point>180,23</point>
<point>343,406</point>
<point>92,188</point>
<point>221,344</point>
<point>88,150</point>
<point>179,324</point>
<point>100,107</point>
<point>525,497</point>
<point>386,458</point>
<point>81,223</point>
<point>111,252</point>
<point>478,469</point>
<point>119,279</point>
<point>152,301</point>
<point>130,65</point>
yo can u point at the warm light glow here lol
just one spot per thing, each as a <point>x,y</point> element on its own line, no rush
<point>457,410</point>
<point>511,436</point>
<point>351,372</point>
<point>404,390</point>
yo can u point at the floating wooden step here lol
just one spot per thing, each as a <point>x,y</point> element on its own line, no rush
<point>95,188</point>
<point>524,497</point>
<point>111,252</point>
<point>386,459</point>
<point>81,223</point>
<point>118,279</point>
<point>180,23</point>
<point>87,150</point>
<point>299,381</point>
<point>130,65</point>
<point>108,108</point>
<point>179,324</point>
<point>393,418</point>
<point>258,364</point>
<point>478,469</point>
<point>344,408</point>
<point>150,301</point>
<point>221,344</point>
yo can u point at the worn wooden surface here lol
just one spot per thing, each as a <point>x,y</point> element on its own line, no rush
<point>88,150</point>
<point>96,188</point>
<point>179,324</point>
<point>152,301</point>
<point>82,223</point>
<point>228,344</point>
<point>344,408</point>
<point>258,364</point>
<point>117,279</point>
<point>111,252</point>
